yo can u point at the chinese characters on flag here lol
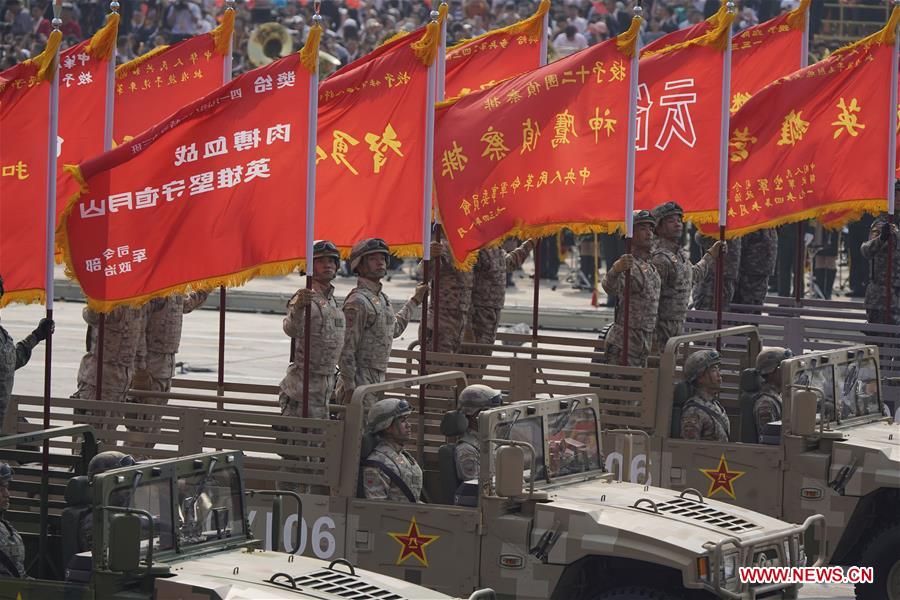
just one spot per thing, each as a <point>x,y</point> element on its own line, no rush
<point>155,85</point>
<point>24,152</point>
<point>371,145</point>
<point>679,122</point>
<point>539,152</point>
<point>495,56</point>
<point>815,142</point>
<point>209,197</point>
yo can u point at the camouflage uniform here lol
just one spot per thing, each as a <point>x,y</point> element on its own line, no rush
<point>677,275</point>
<point>13,547</point>
<point>12,356</point>
<point>704,292</point>
<point>455,299</point>
<point>371,325</point>
<point>378,486</point>
<point>489,291</point>
<point>875,251</point>
<point>766,407</point>
<point>467,456</point>
<point>698,424</point>
<point>645,290</point>
<point>759,253</point>
<point>154,361</point>
<point>121,337</point>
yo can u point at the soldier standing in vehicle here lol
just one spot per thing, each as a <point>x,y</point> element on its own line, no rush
<point>467,454</point>
<point>455,293</point>
<point>704,292</point>
<point>489,290</point>
<point>645,290</point>
<point>703,417</point>
<point>101,463</point>
<point>759,253</point>
<point>371,323</point>
<point>767,401</point>
<point>676,273</point>
<point>390,472</point>
<point>875,251</point>
<point>12,548</point>
<point>15,356</point>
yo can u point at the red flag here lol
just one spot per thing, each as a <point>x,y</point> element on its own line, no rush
<point>680,122</point>
<point>816,142</point>
<point>200,200</point>
<point>155,85</point>
<point>24,152</point>
<point>371,139</point>
<point>539,152</point>
<point>495,56</point>
<point>683,35</point>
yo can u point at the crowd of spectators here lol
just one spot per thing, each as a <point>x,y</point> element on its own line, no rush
<point>354,27</point>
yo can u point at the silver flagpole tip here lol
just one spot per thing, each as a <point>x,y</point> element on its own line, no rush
<point>114,6</point>
<point>729,6</point>
<point>229,4</point>
<point>434,15</point>
<point>317,19</point>
<point>638,11</point>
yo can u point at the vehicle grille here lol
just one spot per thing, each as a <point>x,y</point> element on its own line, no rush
<point>703,512</point>
<point>344,585</point>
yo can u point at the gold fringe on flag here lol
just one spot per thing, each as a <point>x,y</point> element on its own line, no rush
<point>426,47</point>
<point>136,62</point>
<point>717,37</point>
<point>884,36</point>
<point>222,34</point>
<point>46,60</point>
<point>309,54</point>
<point>530,27</point>
<point>103,42</point>
<point>797,18</point>
<point>626,41</point>
<point>23,297</point>
<point>854,209</point>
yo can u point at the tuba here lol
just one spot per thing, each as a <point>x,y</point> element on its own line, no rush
<point>270,41</point>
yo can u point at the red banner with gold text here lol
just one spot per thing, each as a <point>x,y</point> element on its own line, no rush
<point>24,152</point>
<point>542,151</point>
<point>213,196</point>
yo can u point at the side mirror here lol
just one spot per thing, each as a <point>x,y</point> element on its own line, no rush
<point>510,464</point>
<point>803,412</point>
<point>124,542</point>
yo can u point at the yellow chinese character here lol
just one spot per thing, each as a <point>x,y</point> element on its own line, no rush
<point>534,87</point>
<point>530,134</point>
<point>491,103</point>
<point>466,207</point>
<point>738,100</point>
<point>740,140</point>
<point>380,144</point>
<point>320,154</point>
<point>453,160</point>
<point>617,71</point>
<point>585,173</point>
<point>340,145</point>
<point>551,81</point>
<point>599,71</point>
<point>402,77</point>
<point>793,128</point>
<point>513,97</point>
<point>570,177</point>
<point>847,118</point>
<point>603,123</point>
<point>389,79</point>
<point>496,148</point>
<point>565,122</point>
<point>18,170</point>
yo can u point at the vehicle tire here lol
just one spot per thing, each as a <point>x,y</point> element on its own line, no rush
<point>882,553</point>
<point>636,593</point>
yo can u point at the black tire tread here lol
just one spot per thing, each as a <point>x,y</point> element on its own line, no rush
<point>635,593</point>
<point>871,552</point>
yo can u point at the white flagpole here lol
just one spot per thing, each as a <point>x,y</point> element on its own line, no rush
<point>892,130</point>
<point>804,50</point>
<point>110,90</point>
<point>723,139</point>
<point>442,59</point>
<point>429,152</point>
<point>545,23</point>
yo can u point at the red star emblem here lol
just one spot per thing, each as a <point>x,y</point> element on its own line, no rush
<point>721,478</point>
<point>412,543</point>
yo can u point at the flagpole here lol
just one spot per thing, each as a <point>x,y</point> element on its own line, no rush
<point>311,140</point>
<point>800,258</point>
<point>223,296</point>
<point>891,179</point>
<point>535,304</point>
<point>723,173</point>
<point>436,277</point>
<point>629,178</point>
<point>49,264</point>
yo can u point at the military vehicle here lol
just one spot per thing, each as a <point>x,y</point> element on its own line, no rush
<point>845,465</point>
<point>170,530</point>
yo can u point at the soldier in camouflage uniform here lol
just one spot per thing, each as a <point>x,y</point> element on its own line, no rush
<point>489,290</point>
<point>676,273</point>
<point>472,400</point>
<point>154,361</point>
<point>15,356</point>
<point>101,463</point>
<point>390,472</point>
<point>371,323</point>
<point>645,290</point>
<point>704,293</point>
<point>759,254</point>
<point>121,338</point>
<point>875,251</point>
<point>767,401</point>
<point>12,548</point>
<point>455,298</point>
<point>703,417</point>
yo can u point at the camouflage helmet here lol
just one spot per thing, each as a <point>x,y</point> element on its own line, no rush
<point>6,473</point>
<point>111,459</point>
<point>644,216</point>
<point>326,249</point>
<point>770,359</point>
<point>699,362</point>
<point>383,413</point>
<point>664,210</point>
<point>366,247</point>
<point>477,397</point>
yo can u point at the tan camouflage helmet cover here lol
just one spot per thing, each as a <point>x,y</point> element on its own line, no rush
<point>698,363</point>
<point>664,210</point>
<point>383,413</point>
<point>477,397</point>
<point>366,247</point>
<point>644,216</point>
<point>111,459</point>
<point>770,358</point>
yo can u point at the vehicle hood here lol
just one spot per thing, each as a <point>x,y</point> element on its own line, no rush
<point>243,574</point>
<point>868,459</point>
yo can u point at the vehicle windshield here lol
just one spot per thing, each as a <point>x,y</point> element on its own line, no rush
<point>855,384</point>
<point>210,507</point>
